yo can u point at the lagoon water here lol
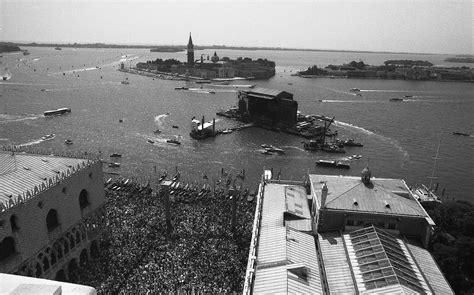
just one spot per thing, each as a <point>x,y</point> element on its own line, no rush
<point>400,138</point>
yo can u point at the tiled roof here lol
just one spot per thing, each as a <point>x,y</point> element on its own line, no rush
<point>386,196</point>
<point>23,175</point>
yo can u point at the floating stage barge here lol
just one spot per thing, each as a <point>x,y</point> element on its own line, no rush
<point>277,110</point>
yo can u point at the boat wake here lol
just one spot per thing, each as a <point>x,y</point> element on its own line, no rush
<point>160,120</point>
<point>393,142</point>
<point>7,118</point>
<point>37,141</point>
<point>343,124</point>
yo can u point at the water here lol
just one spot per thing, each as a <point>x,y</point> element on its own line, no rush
<point>399,139</point>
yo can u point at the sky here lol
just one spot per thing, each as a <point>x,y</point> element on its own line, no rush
<point>422,26</point>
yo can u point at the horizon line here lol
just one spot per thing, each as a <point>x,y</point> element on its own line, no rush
<point>131,45</point>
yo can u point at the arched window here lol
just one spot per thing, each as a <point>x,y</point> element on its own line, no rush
<point>78,237</point>
<point>83,199</point>
<point>7,248</point>
<point>14,223</point>
<point>59,250</point>
<point>53,257</point>
<point>45,263</point>
<point>39,271</point>
<point>52,219</point>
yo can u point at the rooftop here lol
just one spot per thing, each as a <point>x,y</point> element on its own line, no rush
<point>268,93</point>
<point>385,196</point>
<point>23,175</point>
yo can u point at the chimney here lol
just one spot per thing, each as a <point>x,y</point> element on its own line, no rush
<point>324,195</point>
<point>365,176</point>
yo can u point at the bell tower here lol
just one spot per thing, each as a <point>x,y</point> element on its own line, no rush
<point>190,51</point>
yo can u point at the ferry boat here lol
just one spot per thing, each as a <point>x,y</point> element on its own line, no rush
<point>57,112</point>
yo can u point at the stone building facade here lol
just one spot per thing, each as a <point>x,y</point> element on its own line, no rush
<point>51,213</point>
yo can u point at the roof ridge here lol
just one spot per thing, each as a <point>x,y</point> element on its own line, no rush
<point>344,193</point>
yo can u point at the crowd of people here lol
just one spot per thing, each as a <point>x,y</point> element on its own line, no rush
<point>199,253</point>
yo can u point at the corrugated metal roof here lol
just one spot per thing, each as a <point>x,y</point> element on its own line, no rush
<point>382,196</point>
<point>286,258</point>
<point>304,225</point>
<point>430,269</point>
<point>296,201</point>
<point>336,263</point>
<point>20,173</point>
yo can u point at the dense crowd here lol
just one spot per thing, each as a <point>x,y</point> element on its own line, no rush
<point>200,253</point>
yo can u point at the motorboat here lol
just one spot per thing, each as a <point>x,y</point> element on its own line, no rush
<point>332,163</point>
<point>351,142</point>
<point>150,141</point>
<point>115,155</point>
<point>173,141</point>
<point>331,148</point>
<point>57,112</point>
<point>49,136</point>
<point>396,99</point>
<point>114,165</point>
<point>157,131</point>
<point>227,131</point>
<point>354,90</point>
<point>424,194</point>
<point>181,88</point>
<point>175,126</point>
<point>461,134</point>
<point>276,150</point>
<point>58,48</point>
<point>354,157</point>
<point>68,141</point>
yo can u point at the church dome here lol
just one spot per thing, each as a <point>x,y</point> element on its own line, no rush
<point>215,58</point>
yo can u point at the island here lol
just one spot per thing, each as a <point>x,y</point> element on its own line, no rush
<point>168,49</point>
<point>391,69</point>
<point>460,59</point>
<point>8,47</point>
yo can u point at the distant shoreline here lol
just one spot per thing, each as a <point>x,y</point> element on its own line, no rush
<point>215,47</point>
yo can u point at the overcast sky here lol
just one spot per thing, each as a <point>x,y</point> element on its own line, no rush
<point>427,26</point>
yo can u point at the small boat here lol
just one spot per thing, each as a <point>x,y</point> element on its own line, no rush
<point>203,81</point>
<point>351,142</point>
<point>57,112</point>
<point>114,165</point>
<point>163,177</point>
<point>334,164</point>
<point>461,134</point>
<point>150,141</point>
<point>227,131</point>
<point>115,155</point>
<point>354,157</point>
<point>396,99</point>
<point>174,126</point>
<point>181,88</point>
<point>68,141</point>
<point>49,136</point>
<point>267,152</point>
<point>26,53</point>
<point>276,150</point>
<point>176,177</point>
<point>157,131</point>
<point>408,96</point>
<point>58,48</point>
<point>354,90</point>
<point>266,146</point>
<point>173,141</point>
